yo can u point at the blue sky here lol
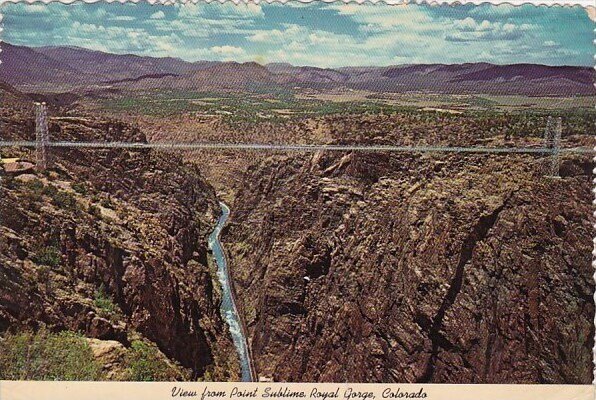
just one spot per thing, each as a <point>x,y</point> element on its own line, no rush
<point>321,34</point>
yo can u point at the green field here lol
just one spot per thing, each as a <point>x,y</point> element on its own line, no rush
<point>284,106</point>
<point>238,107</point>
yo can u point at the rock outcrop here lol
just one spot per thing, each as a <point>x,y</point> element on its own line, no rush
<point>412,268</point>
<point>112,243</point>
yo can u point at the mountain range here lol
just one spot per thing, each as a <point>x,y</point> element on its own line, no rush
<point>65,68</point>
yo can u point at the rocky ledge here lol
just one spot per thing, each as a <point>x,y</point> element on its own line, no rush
<point>112,244</point>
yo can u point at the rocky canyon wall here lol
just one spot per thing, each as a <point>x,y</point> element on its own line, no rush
<point>410,268</point>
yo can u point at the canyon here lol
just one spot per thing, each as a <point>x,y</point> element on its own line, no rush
<point>112,244</point>
<point>345,266</point>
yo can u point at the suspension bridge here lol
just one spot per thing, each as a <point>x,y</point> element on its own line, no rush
<point>551,145</point>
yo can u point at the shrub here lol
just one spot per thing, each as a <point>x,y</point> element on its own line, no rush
<point>58,197</point>
<point>80,188</point>
<point>50,191</point>
<point>104,302</point>
<point>145,363</point>
<point>34,191</point>
<point>64,200</point>
<point>48,255</point>
<point>43,273</point>
<point>106,203</point>
<point>35,186</point>
<point>94,210</point>
<point>47,356</point>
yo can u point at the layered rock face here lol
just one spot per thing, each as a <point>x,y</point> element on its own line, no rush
<point>113,226</point>
<point>410,268</point>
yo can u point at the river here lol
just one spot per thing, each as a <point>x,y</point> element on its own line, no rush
<point>228,305</point>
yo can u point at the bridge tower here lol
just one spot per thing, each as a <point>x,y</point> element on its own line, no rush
<point>42,136</point>
<point>552,142</point>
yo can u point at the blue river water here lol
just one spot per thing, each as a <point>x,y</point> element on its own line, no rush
<point>228,306</point>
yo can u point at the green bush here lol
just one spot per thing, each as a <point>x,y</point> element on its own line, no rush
<point>145,363</point>
<point>64,200</point>
<point>60,198</point>
<point>94,211</point>
<point>106,203</point>
<point>35,186</point>
<point>34,191</point>
<point>80,188</point>
<point>47,356</point>
<point>104,302</point>
<point>50,191</point>
<point>48,255</point>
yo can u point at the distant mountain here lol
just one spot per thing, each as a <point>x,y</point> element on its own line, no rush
<point>230,76</point>
<point>435,70</point>
<point>117,66</point>
<point>62,68</point>
<point>289,73</point>
<point>280,67</point>
<point>55,69</point>
<point>525,72</point>
<point>22,66</point>
<point>523,79</point>
<point>226,75</point>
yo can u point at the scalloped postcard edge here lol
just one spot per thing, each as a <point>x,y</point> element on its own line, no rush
<point>589,5</point>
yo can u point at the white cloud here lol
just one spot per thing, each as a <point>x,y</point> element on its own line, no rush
<point>123,39</point>
<point>267,36</point>
<point>227,50</point>
<point>123,18</point>
<point>158,15</point>
<point>469,30</point>
<point>402,17</point>
<point>222,11</point>
<point>551,43</point>
<point>36,9</point>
